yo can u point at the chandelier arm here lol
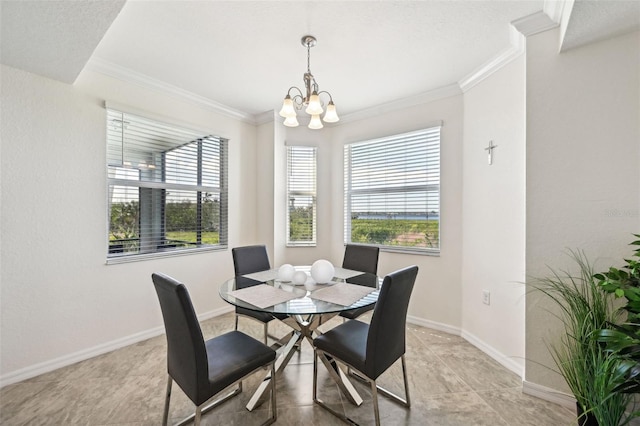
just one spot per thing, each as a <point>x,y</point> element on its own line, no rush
<point>324,91</point>
<point>298,99</point>
<point>300,93</point>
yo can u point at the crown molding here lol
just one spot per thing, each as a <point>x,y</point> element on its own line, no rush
<point>121,73</point>
<point>518,31</point>
<point>264,117</point>
<point>419,99</point>
<point>534,23</point>
<point>516,49</point>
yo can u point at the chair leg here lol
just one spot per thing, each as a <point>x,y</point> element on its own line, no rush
<point>274,410</point>
<point>198,417</point>
<point>266,332</point>
<point>406,401</point>
<point>236,322</point>
<point>341,416</point>
<point>406,382</point>
<point>315,376</point>
<point>374,397</point>
<point>165,416</point>
<point>204,409</point>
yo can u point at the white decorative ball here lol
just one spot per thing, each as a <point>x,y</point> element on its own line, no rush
<point>300,277</point>
<point>285,272</point>
<point>322,271</point>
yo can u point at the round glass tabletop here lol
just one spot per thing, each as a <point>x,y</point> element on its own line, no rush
<point>264,292</point>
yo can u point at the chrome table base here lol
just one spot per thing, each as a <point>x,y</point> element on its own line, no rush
<point>304,327</point>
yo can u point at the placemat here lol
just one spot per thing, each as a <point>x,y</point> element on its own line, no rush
<point>344,273</point>
<point>263,276</point>
<point>342,293</point>
<point>263,295</point>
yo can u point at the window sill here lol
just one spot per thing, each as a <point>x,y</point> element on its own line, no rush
<point>407,250</point>
<point>128,258</point>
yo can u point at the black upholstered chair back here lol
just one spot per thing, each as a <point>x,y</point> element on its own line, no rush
<point>386,338</point>
<point>250,259</point>
<point>361,258</point>
<point>186,353</point>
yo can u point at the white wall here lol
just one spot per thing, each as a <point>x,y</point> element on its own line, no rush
<point>436,297</point>
<point>264,194</point>
<point>59,301</point>
<point>583,174</point>
<point>493,212</point>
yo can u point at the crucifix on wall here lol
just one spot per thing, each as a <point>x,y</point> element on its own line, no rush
<point>489,150</point>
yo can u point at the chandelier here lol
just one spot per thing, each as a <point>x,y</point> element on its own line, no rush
<point>309,99</point>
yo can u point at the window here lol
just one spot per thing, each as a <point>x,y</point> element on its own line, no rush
<point>392,192</point>
<point>301,196</point>
<point>167,188</point>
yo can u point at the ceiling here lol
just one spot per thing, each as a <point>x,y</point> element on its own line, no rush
<point>246,54</point>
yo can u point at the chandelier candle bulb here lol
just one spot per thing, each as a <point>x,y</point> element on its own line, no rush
<point>315,122</point>
<point>291,122</point>
<point>331,116</point>
<point>287,110</point>
<point>314,107</point>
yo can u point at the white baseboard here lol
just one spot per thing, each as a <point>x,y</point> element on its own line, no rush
<point>528,388</point>
<point>434,325</point>
<point>509,362</point>
<point>65,360</point>
<point>549,394</point>
<point>532,389</point>
<point>215,313</point>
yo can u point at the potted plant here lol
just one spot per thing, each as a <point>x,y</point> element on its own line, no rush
<point>623,340</point>
<point>590,371</point>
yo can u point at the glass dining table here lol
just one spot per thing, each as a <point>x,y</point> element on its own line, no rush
<point>306,307</point>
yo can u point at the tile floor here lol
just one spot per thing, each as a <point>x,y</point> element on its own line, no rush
<point>451,383</point>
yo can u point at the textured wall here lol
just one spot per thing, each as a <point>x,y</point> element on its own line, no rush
<point>436,296</point>
<point>493,210</point>
<point>583,174</point>
<point>59,301</point>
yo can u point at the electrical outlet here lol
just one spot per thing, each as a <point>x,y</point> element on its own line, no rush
<point>486,297</point>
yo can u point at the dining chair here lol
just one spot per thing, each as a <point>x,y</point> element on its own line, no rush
<point>203,369</point>
<point>247,260</point>
<point>365,259</point>
<point>370,349</point>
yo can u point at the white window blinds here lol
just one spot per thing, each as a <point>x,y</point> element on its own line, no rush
<point>301,196</point>
<point>392,191</point>
<point>167,188</point>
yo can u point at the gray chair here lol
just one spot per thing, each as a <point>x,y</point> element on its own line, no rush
<point>204,369</point>
<point>247,260</point>
<point>370,349</point>
<point>365,259</point>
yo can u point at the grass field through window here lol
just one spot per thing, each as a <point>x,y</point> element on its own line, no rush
<point>209,237</point>
<point>396,232</point>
